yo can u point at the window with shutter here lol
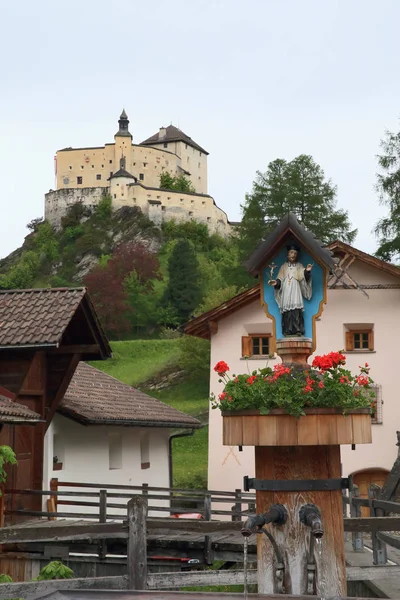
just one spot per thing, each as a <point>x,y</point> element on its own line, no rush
<point>359,340</point>
<point>258,344</point>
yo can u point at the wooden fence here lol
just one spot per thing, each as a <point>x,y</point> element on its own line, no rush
<point>377,507</point>
<point>105,502</point>
<point>135,529</point>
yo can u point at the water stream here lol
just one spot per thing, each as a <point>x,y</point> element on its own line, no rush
<point>320,571</point>
<point>245,546</point>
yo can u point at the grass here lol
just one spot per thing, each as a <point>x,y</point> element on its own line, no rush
<point>135,362</point>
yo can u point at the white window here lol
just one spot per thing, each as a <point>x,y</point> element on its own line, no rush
<point>145,451</point>
<point>114,451</point>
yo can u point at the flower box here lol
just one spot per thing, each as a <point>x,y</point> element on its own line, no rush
<point>319,427</point>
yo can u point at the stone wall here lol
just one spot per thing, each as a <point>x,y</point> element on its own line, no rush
<point>158,205</point>
<point>57,202</point>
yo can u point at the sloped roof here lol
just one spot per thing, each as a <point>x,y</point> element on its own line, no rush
<point>96,398</point>
<point>172,134</point>
<point>14,413</point>
<point>289,226</point>
<point>339,247</point>
<point>40,317</point>
<point>123,173</point>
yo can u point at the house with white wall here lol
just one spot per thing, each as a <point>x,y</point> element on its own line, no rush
<point>107,432</point>
<point>361,316</point>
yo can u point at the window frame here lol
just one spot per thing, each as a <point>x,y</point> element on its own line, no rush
<point>247,345</point>
<point>349,338</point>
<point>79,180</point>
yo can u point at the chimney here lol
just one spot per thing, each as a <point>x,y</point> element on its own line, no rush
<point>162,133</point>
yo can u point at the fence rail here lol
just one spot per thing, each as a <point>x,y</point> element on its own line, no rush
<point>205,503</point>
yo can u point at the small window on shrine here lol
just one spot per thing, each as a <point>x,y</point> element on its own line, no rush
<point>360,340</point>
<point>258,345</point>
<point>376,403</point>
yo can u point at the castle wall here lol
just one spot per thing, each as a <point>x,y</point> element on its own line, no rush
<point>95,165</point>
<point>57,202</point>
<point>158,205</point>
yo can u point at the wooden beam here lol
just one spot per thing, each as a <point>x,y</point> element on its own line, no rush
<point>66,380</point>
<point>156,581</point>
<point>32,588</point>
<point>88,531</point>
<point>213,326</point>
<point>369,524</point>
<point>372,573</point>
<point>77,349</point>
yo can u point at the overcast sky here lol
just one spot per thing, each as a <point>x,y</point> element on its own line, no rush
<point>250,81</point>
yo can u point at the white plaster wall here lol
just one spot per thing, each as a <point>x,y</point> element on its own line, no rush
<point>86,459</point>
<point>227,466</point>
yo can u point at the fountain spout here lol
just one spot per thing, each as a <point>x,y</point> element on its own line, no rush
<point>254,524</point>
<point>311,516</point>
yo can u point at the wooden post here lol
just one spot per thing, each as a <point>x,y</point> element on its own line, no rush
<point>379,550</point>
<point>208,559</point>
<point>137,543</point>
<point>54,488</point>
<point>293,538</point>
<point>103,519</point>
<point>355,511</point>
<point>237,507</point>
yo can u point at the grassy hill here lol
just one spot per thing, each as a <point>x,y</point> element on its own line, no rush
<point>136,362</point>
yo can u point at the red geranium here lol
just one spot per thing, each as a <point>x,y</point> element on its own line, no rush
<point>221,367</point>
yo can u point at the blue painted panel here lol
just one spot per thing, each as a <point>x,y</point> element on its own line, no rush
<point>311,307</point>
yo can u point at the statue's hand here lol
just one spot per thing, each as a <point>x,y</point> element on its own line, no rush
<point>309,267</point>
<point>272,282</point>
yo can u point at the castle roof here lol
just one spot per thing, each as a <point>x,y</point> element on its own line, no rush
<point>123,173</point>
<point>172,134</point>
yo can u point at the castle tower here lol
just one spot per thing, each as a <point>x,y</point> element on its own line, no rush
<point>123,140</point>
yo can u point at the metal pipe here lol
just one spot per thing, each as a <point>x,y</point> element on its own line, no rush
<point>311,517</point>
<point>254,524</point>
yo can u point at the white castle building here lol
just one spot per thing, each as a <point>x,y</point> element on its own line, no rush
<point>130,174</point>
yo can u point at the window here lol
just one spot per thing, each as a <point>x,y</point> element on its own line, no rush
<point>110,162</point>
<point>190,214</point>
<point>92,166</point>
<point>58,453</point>
<point>82,167</point>
<point>376,416</point>
<point>111,173</point>
<point>114,451</point>
<point>98,177</point>
<point>102,166</point>
<point>359,340</point>
<point>115,195</point>
<point>79,180</point>
<point>163,208</point>
<point>145,164</point>
<point>185,146</point>
<point>70,166</point>
<point>203,203</point>
<point>141,176</point>
<point>200,153</point>
<point>208,219</point>
<point>258,344</point>
<point>198,165</point>
<point>165,144</point>
<point>145,451</point>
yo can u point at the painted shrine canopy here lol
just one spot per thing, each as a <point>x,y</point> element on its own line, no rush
<point>288,229</point>
<point>94,397</point>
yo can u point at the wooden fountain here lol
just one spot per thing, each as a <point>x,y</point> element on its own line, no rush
<point>297,460</point>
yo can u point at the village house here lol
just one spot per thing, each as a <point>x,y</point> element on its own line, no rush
<point>107,432</point>
<point>361,316</point>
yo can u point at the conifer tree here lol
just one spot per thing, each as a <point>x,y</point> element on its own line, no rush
<point>183,292</point>
<point>300,187</point>
<point>387,229</point>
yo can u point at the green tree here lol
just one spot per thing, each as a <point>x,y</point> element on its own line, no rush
<point>183,291</point>
<point>298,186</point>
<point>22,274</point>
<point>387,229</point>
<point>177,184</point>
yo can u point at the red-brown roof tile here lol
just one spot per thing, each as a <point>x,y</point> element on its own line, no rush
<point>94,397</point>
<point>37,317</point>
<point>12,412</point>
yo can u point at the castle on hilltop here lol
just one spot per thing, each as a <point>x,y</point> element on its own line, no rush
<point>130,174</point>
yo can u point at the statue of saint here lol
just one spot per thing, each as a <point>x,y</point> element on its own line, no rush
<point>290,287</point>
